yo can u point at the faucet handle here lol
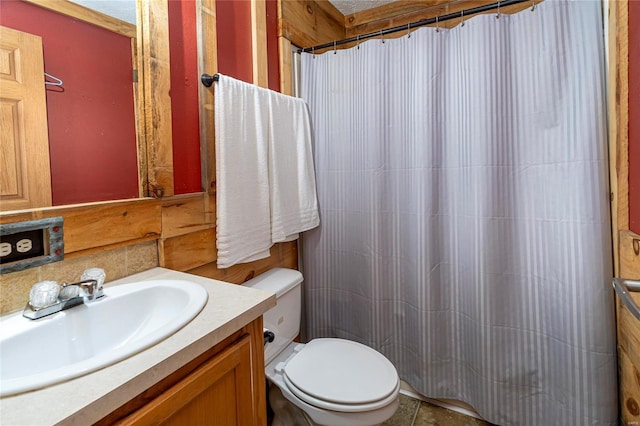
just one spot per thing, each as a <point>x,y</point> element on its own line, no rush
<point>44,294</point>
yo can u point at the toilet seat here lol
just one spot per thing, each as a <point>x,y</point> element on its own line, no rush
<point>341,375</point>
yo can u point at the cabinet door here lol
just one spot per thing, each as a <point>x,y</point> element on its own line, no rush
<point>217,393</point>
<point>25,177</point>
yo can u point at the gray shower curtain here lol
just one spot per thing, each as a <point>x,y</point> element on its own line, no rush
<point>465,234</point>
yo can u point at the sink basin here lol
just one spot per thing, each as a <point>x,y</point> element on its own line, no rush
<point>129,318</point>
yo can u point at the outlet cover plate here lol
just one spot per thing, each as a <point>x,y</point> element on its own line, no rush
<point>32,243</point>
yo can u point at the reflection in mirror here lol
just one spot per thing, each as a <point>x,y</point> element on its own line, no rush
<point>91,118</point>
<point>124,10</point>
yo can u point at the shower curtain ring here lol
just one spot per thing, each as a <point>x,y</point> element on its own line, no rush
<point>358,42</point>
<point>409,30</point>
<point>382,36</point>
<point>437,24</point>
<point>498,14</point>
<point>533,5</point>
<point>462,15</point>
<point>334,47</point>
<point>313,52</point>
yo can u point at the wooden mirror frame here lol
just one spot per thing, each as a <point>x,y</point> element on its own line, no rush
<point>154,77</point>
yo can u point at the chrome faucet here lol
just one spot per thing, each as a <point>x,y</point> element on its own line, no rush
<point>87,292</point>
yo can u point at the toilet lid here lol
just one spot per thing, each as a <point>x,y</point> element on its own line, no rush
<point>337,372</point>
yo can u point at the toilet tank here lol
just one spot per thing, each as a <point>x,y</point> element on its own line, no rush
<point>284,318</point>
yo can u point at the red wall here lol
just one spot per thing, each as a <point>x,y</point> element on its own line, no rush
<point>233,19</point>
<point>92,136</point>
<point>185,120</point>
<point>634,116</point>
<point>234,41</point>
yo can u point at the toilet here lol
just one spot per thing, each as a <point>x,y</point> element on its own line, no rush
<point>326,381</point>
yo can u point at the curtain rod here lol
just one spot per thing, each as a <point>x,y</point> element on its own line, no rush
<point>408,27</point>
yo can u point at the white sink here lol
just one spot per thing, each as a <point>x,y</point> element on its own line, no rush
<point>129,318</point>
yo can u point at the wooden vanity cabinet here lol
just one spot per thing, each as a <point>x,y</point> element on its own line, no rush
<point>218,392</point>
<point>225,386</point>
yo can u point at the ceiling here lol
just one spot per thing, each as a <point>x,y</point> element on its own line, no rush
<point>126,9</point>
<point>347,7</point>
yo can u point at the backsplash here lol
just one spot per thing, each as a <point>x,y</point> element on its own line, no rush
<point>117,263</point>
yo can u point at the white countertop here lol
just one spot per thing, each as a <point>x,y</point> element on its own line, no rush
<point>89,398</point>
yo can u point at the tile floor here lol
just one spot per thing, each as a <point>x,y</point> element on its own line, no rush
<point>413,412</point>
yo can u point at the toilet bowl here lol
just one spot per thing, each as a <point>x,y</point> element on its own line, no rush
<point>326,381</point>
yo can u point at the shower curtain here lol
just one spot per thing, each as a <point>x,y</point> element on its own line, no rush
<point>465,232</point>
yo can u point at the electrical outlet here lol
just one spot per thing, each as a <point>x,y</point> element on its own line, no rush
<point>31,243</point>
<point>5,249</point>
<point>24,245</point>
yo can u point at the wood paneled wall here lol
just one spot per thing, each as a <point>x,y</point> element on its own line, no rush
<point>100,226</point>
<point>307,23</point>
<point>188,242</point>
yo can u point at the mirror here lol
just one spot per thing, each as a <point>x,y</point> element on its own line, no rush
<point>92,116</point>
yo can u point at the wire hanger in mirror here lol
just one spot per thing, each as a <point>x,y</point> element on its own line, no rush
<point>56,82</point>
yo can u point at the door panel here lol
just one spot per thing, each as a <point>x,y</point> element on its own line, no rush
<point>25,175</point>
<point>218,393</point>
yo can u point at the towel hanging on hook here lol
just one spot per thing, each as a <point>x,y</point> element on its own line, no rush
<point>57,81</point>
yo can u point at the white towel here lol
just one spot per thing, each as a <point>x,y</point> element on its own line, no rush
<point>265,179</point>
<point>294,205</point>
<point>243,227</point>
